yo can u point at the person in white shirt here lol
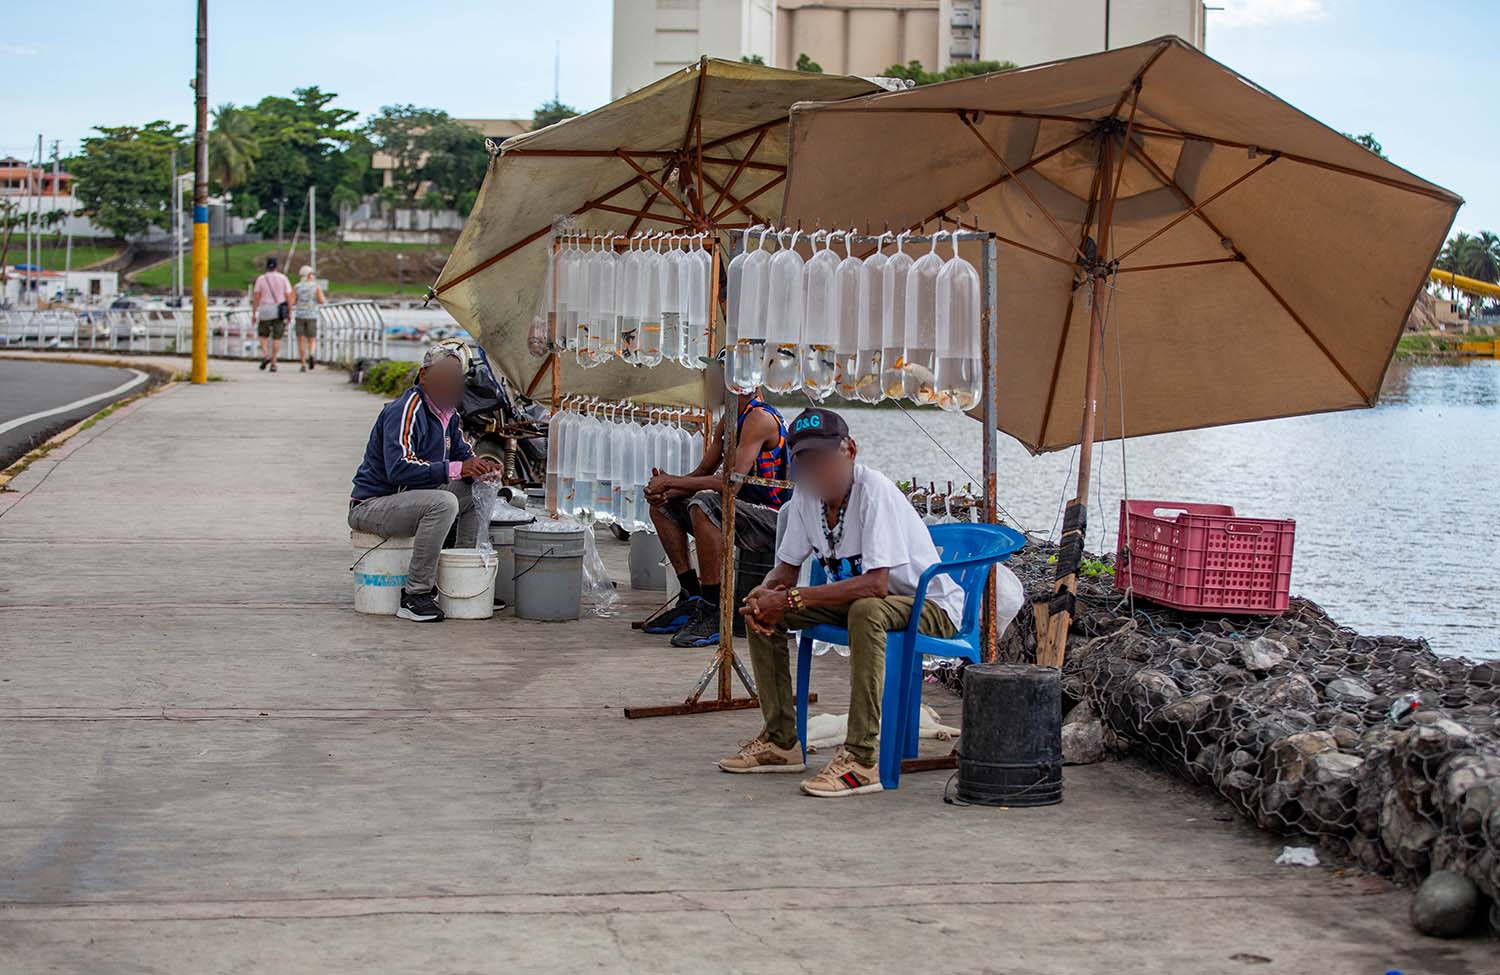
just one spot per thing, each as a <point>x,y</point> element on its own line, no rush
<point>874,548</point>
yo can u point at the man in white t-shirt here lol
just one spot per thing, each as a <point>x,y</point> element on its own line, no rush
<point>874,548</point>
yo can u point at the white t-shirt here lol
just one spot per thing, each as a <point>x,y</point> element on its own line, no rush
<point>881,531</point>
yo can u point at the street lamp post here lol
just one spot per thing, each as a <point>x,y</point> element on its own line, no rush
<point>200,204</point>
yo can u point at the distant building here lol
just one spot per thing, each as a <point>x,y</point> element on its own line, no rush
<point>19,178</point>
<point>20,286</point>
<point>865,37</point>
<point>495,129</point>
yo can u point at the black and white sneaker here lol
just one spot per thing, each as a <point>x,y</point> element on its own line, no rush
<point>420,607</point>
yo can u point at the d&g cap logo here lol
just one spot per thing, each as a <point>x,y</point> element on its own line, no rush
<point>806,422</point>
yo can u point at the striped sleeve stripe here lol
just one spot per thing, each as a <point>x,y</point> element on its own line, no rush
<point>408,421</point>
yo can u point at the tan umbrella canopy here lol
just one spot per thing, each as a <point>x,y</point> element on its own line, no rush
<point>1261,264</point>
<point>703,148</point>
<point>1248,261</point>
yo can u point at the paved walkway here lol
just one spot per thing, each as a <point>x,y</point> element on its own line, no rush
<point>211,764</point>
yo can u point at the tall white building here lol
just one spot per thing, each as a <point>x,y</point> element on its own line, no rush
<point>865,37</point>
<point>1034,31</point>
<point>653,38</point>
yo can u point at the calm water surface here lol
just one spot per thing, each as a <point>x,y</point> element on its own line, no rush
<point>1395,506</point>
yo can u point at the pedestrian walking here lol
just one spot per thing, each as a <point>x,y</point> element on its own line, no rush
<point>269,297</point>
<point>306,297</point>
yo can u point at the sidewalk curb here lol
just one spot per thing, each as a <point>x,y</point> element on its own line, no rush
<point>166,379</point>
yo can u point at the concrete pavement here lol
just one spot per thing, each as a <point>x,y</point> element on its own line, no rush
<point>213,765</point>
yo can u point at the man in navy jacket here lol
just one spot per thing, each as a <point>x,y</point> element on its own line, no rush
<point>413,482</point>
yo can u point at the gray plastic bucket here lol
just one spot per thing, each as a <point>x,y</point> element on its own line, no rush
<point>548,573</point>
<point>648,562</point>
<point>503,538</point>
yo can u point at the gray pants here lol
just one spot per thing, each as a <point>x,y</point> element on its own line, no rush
<point>425,517</point>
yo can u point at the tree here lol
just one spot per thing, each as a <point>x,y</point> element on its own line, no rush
<point>752,59</point>
<point>1369,141</point>
<point>805,63</point>
<point>232,150</point>
<point>123,176</point>
<point>456,161</point>
<point>397,131</point>
<point>304,141</point>
<point>551,111</point>
<point>913,71</point>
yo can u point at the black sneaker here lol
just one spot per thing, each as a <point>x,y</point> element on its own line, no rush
<point>702,630</point>
<point>420,607</point>
<point>311,363</point>
<point>672,618</point>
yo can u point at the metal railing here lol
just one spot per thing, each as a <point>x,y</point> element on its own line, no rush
<point>347,331</point>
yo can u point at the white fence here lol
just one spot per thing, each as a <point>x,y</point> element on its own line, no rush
<point>347,330</point>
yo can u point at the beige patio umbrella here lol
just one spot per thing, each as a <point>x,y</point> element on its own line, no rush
<point>703,148</point>
<point>1246,261</point>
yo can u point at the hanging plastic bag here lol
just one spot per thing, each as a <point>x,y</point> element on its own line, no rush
<point>599,593</point>
<point>485,494</point>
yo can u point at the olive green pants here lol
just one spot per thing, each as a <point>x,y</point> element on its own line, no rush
<point>867,620</point>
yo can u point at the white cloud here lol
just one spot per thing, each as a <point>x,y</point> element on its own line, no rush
<point>1259,13</point>
<point>19,50</point>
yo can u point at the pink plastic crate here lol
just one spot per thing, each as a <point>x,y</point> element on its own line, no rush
<point>1200,557</point>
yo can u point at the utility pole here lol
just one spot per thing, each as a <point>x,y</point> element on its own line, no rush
<point>312,226</point>
<point>176,233</point>
<point>200,204</point>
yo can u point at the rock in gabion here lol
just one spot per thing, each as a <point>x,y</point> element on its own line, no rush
<point>1445,905</point>
<point>1289,719</point>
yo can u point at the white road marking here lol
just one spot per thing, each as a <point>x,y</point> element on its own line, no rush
<point>21,421</point>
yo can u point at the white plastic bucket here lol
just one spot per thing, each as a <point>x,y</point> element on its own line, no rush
<point>380,566</point>
<point>649,568</point>
<point>466,583</point>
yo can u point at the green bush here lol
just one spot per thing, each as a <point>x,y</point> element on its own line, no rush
<point>389,379</point>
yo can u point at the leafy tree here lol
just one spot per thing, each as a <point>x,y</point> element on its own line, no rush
<point>914,72</point>
<point>123,176</point>
<point>805,63</point>
<point>456,161</point>
<point>1369,141</point>
<point>304,141</point>
<point>752,59</point>
<point>398,131</point>
<point>551,111</point>
<point>232,151</point>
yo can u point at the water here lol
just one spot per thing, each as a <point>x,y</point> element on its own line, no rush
<point>1395,506</point>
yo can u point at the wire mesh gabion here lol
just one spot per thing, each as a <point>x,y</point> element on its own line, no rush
<point>1290,719</point>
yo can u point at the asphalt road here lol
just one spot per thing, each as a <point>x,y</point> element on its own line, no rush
<point>28,387</point>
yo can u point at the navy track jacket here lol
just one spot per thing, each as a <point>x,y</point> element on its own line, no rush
<point>409,448</point>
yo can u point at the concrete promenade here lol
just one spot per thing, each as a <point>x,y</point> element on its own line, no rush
<point>212,764</point>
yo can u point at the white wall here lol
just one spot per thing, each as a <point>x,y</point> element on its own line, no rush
<point>653,38</point>
<point>1034,31</point>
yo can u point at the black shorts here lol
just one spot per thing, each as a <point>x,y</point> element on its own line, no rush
<point>754,524</point>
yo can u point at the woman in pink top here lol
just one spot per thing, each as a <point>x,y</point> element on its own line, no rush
<point>269,298</point>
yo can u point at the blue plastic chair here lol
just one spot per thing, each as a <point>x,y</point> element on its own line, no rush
<point>967,553</point>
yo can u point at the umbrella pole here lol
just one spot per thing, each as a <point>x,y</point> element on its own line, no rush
<point>1055,617</point>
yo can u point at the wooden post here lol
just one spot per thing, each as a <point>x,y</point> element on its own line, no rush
<point>1053,623</point>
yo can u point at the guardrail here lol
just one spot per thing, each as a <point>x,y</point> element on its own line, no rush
<point>347,331</point>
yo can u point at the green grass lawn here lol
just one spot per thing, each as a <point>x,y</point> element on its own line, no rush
<point>55,258</point>
<point>246,261</point>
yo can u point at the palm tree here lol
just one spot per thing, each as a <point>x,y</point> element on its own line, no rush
<point>232,151</point>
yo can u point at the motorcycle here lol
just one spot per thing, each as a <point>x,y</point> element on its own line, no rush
<point>504,424</point>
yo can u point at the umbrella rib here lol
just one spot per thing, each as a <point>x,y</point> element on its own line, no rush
<point>752,130</point>
<point>734,177</point>
<point>644,212</point>
<point>686,210</point>
<point>1034,250</point>
<point>588,205</point>
<point>1062,338</point>
<point>1435,193</point>
<point>723,161</point>
<point>738,205</point>
<point>1180,264</point>
<point>1171,184</point>
<point>963,116</point>
<point>645,207</point>
<point>741,204</point>
<point>1076,119</point>
<point>1140,76</point>
<point>1188,213</point>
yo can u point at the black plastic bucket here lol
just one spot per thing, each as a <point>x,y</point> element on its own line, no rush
<point>1010,752</point>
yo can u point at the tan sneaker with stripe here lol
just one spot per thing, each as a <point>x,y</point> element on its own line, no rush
<point>760,754</point>
<point>843,776</point>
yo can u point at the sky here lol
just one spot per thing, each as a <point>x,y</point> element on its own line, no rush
<point>1413,74</point>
